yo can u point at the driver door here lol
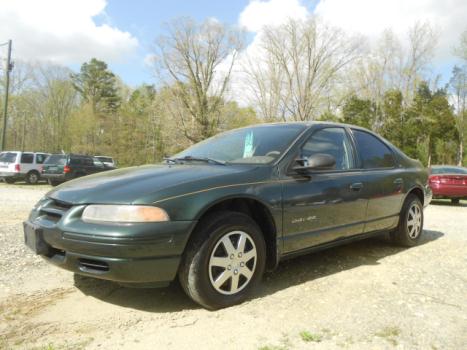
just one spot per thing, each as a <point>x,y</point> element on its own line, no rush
<point>323,205</point>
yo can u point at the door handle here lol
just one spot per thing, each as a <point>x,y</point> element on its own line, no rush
<point>357,186</point>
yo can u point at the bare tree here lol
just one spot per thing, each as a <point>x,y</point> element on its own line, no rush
<point>461,50</point>
<point>196,61</point>
<point>295,66</point>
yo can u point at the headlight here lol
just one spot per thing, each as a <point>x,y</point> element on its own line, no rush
<point>123,213</point>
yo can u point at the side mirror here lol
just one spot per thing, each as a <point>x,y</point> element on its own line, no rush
<point>318,161</point>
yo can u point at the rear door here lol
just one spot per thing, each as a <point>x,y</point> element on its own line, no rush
<point>383,179</point>
<point>325,205</point>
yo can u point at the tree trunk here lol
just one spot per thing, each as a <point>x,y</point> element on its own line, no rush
<point>461,152</point>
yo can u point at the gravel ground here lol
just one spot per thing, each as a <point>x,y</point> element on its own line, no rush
<point>366,295</point>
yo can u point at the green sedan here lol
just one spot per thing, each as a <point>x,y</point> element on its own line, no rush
<point>218,214</point>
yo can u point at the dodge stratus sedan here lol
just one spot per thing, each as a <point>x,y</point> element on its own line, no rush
<point>218,214</point>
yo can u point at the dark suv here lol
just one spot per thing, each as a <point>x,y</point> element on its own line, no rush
<point>59,168</point>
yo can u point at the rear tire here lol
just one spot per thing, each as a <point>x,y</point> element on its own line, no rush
<point>32,177</point>
<point>455,200</point>
<point>224,260</point>
<point>410,226</point>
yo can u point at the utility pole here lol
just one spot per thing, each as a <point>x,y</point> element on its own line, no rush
<point>8,69</point>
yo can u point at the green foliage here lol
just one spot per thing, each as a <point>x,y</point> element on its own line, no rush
<point>310,337</point>
<point>359,112</point>
<point>97,86</point>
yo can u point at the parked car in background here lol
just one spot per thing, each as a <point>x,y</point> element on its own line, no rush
<point>59,168</point>
<point>447,181</point>
<point>218,214</point>
<point>17,165</point>
<point>108,161</point>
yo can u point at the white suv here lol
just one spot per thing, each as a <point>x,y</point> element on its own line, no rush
<point>16,166</point>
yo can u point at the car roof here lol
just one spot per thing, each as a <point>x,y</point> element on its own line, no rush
<point>447,166</point>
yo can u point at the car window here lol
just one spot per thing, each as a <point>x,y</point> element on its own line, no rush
<point>27,158</point>
<point>40,158</point>
<point>58,159</point>
<point>76,161</point>
<point>97,162</point>
<point>105,159</point>
<point>332,141</point>
<point>8,157</point>
<point>88,161</point>
<point>373,152</point>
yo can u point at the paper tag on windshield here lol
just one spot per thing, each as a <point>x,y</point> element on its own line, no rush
<point>248,149</point>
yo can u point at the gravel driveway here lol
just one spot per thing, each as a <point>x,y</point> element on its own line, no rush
<point>368,294</point>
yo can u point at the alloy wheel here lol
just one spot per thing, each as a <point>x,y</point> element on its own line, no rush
<point>232,262</point>
<point>414,221</point>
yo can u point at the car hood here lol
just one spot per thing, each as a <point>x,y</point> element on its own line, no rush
<point>146,184</point>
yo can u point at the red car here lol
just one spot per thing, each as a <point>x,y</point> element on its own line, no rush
<point>448,181</point>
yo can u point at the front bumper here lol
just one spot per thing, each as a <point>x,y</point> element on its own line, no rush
<point>147,253</point>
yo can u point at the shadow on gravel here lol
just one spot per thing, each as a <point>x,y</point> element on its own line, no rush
<point>289,273</point>
<point>158,300</point>
<point>448,203</point>
<point>327,262</point>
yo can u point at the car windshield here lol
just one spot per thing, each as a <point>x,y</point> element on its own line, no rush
<point>58,159</point>
<point>448,170</point>
<point>261,144</point>
<point>8,157</point>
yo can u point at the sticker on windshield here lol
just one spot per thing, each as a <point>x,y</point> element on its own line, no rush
<point>248,149</point>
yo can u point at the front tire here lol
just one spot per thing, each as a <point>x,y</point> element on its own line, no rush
<point>410,226</point>
<point>224,260</point>
<point>455,201</point>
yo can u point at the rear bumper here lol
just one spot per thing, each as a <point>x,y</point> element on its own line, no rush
<point>449,191</point>
<point>11,175</point>
<point>55,177</point>
<point>428,196</point>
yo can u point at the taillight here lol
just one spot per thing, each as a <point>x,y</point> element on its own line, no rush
<point>434,179</point>
<point>66,169</point>
<point>17,168</point>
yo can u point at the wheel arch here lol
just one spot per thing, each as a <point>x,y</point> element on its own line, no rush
<point>258,211</point>
<point>417,191</point>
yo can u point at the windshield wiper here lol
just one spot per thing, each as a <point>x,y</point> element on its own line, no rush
<point>196,159</point>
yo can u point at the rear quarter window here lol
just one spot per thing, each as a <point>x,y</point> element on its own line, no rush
<point>8,157</point>
<point>374,154</point>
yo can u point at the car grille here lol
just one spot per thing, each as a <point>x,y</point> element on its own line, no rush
<point>54,210</point>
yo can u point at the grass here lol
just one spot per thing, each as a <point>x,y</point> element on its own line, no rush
<point>310,337</point>
<point>272,347</point>
<point>389,333</point>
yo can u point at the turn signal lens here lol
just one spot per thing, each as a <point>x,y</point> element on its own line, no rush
<point>123,214</point>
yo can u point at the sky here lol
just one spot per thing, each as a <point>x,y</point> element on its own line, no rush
<point>122,32</point>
